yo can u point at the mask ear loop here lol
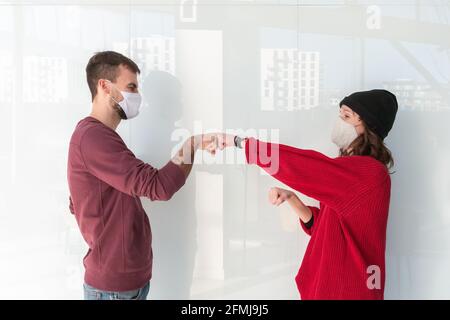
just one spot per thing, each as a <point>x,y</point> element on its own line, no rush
<point>110,93</point>
<point>119,109</point>
<point>114,100</point>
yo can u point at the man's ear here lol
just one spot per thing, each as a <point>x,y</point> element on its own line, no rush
<point>104,86</point>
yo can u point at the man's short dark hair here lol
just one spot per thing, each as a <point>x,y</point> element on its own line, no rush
<point>104,65</point>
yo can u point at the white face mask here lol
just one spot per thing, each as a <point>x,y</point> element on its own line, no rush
<point>130,103</point>
<point>343,134</point>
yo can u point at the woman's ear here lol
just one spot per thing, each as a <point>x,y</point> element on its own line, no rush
<point>359,119</point>
<point>360,126</point>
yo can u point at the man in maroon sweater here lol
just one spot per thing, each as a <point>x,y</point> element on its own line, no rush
<point>106,180</point>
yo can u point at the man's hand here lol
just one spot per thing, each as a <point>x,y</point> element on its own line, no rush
<point>278,195</point>
<point>207,141</point>
<point>184,158</point>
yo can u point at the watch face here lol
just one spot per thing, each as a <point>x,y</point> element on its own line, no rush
<point>240,142</point>
<point>237,141</point>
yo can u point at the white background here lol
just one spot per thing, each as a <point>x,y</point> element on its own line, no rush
<point>210,66</point>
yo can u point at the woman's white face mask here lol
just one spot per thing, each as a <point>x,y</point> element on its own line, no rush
<point>343,134</point>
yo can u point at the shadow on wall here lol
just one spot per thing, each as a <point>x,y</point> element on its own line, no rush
<point>418,239</point>
<point>173,222</point>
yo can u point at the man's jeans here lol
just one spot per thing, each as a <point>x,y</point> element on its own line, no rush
<point>91,293</point>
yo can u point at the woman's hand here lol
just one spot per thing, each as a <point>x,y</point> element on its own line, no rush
<point>278,195</point>
<point>225,140</point>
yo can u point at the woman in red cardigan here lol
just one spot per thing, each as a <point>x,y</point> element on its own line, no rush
<point>345,257</point>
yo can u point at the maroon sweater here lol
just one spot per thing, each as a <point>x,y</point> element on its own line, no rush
<point>105,182</point>
<point>348,235</point>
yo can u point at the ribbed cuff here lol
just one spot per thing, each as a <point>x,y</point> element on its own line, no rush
<point>309,224</point>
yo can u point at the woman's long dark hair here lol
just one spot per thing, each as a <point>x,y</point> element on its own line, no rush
<point>370,144</point>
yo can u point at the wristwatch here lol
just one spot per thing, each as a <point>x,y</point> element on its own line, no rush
<point>238,141</point>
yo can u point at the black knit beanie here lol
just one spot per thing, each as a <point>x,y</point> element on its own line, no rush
<point>377,108</point>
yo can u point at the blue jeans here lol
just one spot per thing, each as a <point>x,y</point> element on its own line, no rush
<point>90,293</point>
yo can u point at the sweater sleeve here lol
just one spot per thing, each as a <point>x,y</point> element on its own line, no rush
<point>106,156</point>
<point>334,182</point>
<point>309,227</point>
